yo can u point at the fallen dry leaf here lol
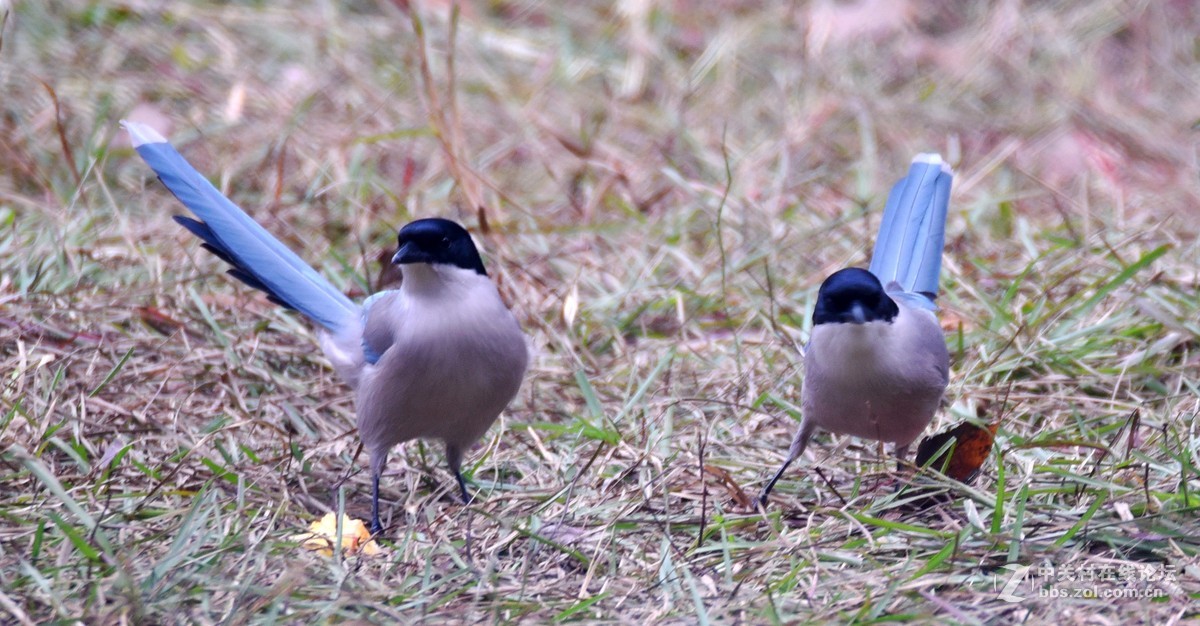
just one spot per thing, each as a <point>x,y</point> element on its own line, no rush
<point>973,445</point>
<point>162,323</point>
<point>735,491</point>
<point>323,533</point>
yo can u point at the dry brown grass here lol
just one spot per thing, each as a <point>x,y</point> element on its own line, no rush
<point>687,173</point>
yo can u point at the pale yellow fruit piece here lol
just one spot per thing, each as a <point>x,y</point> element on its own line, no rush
<point>322,534</point>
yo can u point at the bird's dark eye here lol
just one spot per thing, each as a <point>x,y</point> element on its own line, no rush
<point>445,242</point>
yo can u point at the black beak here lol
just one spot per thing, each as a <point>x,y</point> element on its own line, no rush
<point>410,253</point>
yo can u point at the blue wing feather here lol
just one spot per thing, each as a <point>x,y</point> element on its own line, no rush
<point>258,259</point>
<point>374,347</point>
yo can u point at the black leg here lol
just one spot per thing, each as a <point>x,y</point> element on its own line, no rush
<point>462,487</point>
<point>904,471</point>
<point>799,443</point>
<point>376,525</point>
<point>766,492</point>
<point>454,460</point>
<point>378,461</point>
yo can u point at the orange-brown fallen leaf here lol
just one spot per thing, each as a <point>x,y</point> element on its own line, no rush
<point>973,444</point>
<point>323,533</point>
<point>159,321</point>
<point>731,486</point>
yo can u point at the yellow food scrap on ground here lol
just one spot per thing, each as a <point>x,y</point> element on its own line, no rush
<point>322,534</point>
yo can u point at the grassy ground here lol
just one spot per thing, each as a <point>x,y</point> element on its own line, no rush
<point>664,185</point>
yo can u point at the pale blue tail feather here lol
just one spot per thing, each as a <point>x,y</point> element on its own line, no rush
<point>258,259</point>
<point>908,250</point>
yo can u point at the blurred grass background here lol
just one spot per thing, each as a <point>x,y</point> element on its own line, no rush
<point>659,187</point>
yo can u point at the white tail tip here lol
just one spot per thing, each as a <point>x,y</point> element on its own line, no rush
<point>933,158</point>
<point>141,134</point>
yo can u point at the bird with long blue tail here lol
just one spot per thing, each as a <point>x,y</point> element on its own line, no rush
<point>876,363</point>
<point>438,358</point>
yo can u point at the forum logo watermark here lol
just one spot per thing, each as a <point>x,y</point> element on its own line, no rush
<point>1099,581</point>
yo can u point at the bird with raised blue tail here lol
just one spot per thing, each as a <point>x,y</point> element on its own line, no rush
<point>876,363</point>
<point>438,358</point>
